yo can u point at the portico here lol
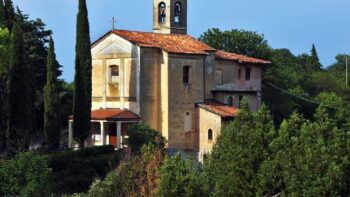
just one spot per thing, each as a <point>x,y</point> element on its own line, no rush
<point>108,127</point>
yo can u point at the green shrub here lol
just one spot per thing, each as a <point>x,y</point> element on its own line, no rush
<point>143,134</point>
<point>137,177</point>
<point>25,175</point>
<point>179,177</point>
<point>74,171</point>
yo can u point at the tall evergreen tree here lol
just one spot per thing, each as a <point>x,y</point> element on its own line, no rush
<point>82,91</point>
<point>9,14</point>
<point>35,38</point>
<point>2,14</point>
<point>20,106</point>
<point>52,100</point>
<point>314,64</point>
<point>5,42</point>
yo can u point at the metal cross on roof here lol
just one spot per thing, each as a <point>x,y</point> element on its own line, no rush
<point>113,22</point>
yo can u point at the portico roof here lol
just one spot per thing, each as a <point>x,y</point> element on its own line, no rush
<point>114,114</point>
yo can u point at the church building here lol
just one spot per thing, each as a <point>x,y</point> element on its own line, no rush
<point>169,80</point>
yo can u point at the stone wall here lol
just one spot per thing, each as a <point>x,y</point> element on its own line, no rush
<point>182,99</point>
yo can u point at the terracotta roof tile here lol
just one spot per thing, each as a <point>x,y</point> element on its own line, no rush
<point>113,115</point>
<point>239,58</point>
<point>220,109</point>
<point>173,43</point>
<point>178,43</point>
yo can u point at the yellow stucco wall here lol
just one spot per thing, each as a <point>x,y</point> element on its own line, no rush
<point>208,120</point>
<point>150,87</point>
<point>156,78</point>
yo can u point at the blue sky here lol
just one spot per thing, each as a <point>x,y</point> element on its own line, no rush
<point>292,24</point>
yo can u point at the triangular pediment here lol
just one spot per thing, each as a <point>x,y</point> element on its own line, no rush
<point>113,48</point>
<point>113,45</point>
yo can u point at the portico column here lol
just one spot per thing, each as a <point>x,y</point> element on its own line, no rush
<point>119,128</point>
<point>70,134</point>
<point>103,133</point>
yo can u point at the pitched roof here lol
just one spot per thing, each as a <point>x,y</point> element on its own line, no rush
<point>178,43</point>
<point>172,43</point>
<point>239,58</point>
<point>220,109</point>
<point>113,115</point>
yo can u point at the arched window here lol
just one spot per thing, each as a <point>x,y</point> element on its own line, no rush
<point>113,74</point>
<point>162,12</point>
<point>178,11</point>
<point>186,74</point>
<point>230,101</point>
<point>210,135</point>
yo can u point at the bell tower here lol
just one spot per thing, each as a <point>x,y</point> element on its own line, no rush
<point>170,16</point>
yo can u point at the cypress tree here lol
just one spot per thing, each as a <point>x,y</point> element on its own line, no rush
<point>315,64</point>
<point>2,12</point>
<point>82,85</point>
<point>51,100</point>
<point>9,14</point>
<point>20,107</point>
<point>5,43</point>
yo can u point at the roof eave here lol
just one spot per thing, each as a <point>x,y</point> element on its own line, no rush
<point>101,38</point>
<point>244,62</point>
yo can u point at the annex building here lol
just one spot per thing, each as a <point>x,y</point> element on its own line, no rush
<point>181,87</point>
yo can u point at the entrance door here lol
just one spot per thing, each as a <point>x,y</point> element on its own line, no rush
<point>112,130</point>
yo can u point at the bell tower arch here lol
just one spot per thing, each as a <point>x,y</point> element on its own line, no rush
<point>170,16</point>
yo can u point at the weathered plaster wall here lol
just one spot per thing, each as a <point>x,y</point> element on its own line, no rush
<point>182,99</point>
<point>150,87</point>
<point>114,50</point>
<point>253,99</point>
<point>231,79</point>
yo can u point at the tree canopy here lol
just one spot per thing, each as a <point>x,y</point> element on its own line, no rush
<point>237,41</point>
<point>20,109</point>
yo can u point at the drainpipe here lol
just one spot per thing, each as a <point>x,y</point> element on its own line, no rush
<point>204,79</point>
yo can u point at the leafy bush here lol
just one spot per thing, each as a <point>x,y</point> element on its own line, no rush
<point>74,171</point>
<point>179,177</point>
<point>142,134</point>
<point>26,175</point>
<point>137,177</point>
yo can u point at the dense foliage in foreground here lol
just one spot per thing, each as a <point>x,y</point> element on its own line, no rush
<point>251,157</point>
<point>35,175</point>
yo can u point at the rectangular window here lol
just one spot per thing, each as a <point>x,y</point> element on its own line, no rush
<point>187,122</point>
<point>113,74</point>
<point>247,73</point>
<point>239,73</point>
<point>218,77</point>
<point>186,74</point>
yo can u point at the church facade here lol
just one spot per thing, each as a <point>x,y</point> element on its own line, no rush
<point>181,87</point>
